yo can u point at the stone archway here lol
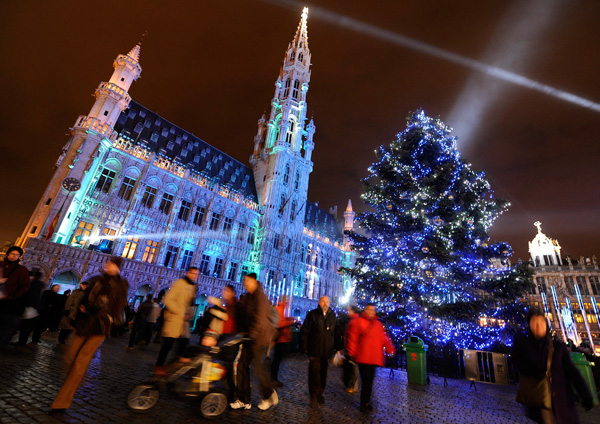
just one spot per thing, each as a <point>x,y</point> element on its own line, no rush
<point>143,290</point>
<point>140,295</point>
<point>67,280</point>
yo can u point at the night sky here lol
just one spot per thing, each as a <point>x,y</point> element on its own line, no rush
<point>210,68</point>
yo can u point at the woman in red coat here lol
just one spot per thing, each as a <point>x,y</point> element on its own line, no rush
<point>366,342</point>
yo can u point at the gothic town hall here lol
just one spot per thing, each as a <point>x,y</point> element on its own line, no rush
<point>130,183</point>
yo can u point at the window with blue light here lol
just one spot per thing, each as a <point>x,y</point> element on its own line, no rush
<point>251,234</point>
<point>198,215</point>
<point>148,197</point>
<point>204,264</point>
<point>214,221</point>
<point>218,268</point>
<point>126,188</point>
<point>286,174</point>
<point>232,271</point>
<point>170,256</point>
<point>186,259</point>
<point>166,203</point>
<point>105,180</point>
<point>184,210</point>
<point>241,231</point>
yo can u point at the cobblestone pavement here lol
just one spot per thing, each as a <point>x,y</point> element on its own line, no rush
<point>30,377</point>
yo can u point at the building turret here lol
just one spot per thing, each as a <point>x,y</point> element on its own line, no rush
<point>282,137</point>
<point>544,251</point>
<point>349,216</point>
<point>92,136</point>
<point>283,145</point>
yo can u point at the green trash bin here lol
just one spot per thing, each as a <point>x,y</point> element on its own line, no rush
<point>585,368</point>
<point>416,360</point>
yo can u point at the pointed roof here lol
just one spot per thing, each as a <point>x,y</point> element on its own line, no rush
<point>349,207</point>
<point>135,52</point>
<point>302,31</point>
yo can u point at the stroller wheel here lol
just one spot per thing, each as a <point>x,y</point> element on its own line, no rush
<point>213,405</point>
<point>143,397</point>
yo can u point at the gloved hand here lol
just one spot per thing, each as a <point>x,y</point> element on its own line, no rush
<point>588,403</point>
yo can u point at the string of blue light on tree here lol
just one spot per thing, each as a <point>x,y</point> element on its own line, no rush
<point>424,255</point>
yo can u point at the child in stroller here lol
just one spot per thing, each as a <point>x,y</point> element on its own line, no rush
<point>199,374</point>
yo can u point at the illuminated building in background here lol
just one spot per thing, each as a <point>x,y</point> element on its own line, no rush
<point>567,289</point>
<point>151,192</point>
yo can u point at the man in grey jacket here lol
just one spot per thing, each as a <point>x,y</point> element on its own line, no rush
<point>255,311</point>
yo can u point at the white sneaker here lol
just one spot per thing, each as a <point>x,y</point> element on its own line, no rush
<point>267,403</point>
<point>238,404</point>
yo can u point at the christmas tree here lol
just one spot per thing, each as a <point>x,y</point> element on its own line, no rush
<point>424,255</point>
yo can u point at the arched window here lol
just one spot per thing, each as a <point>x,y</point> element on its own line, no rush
<point>286,90</point>
<point>282,204</point>
<point>293,211</point>
<point>105,180</point>
<point>297,181</point>
<point>293,56</point>
<point>286,174</point>
<point>295,89</point>
<point>302,253</point>
<point>300,57</point>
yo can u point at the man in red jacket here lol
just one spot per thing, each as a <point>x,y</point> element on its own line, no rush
<point>366,342</point>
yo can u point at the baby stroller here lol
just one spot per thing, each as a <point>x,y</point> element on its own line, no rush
<point>202,378</point>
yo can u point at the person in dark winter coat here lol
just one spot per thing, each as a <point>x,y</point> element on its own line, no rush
<point>50,303</point>
<point>14,283</point>
<point>32,300</point>
<point>139,320</point>
<point>367,340</point>
<point>530,354</point>
<point>254,320</point>
<point>320,338</point>
<point>70,311</point>
<point>101,307</point>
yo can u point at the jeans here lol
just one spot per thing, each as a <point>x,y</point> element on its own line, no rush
<point>255,355</point>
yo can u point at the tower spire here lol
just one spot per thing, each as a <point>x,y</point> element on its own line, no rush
<point>134,53</point>
<point>302,31</point>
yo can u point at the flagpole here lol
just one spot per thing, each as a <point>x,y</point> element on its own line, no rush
<point>55,220</point>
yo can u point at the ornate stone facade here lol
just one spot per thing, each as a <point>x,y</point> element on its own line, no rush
<point>567,289</point>
<point>165,200</point>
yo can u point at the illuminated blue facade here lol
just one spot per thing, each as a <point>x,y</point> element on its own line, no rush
<point>164,199</point>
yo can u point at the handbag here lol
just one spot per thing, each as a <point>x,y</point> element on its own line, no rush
<point>535,392</point>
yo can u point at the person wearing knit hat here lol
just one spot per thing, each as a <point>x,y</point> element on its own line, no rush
<point>14,283</point>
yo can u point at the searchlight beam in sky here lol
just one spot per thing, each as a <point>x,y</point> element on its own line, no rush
<point>401,40</point>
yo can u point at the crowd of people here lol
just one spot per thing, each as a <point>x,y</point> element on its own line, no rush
<point>99,307</point>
